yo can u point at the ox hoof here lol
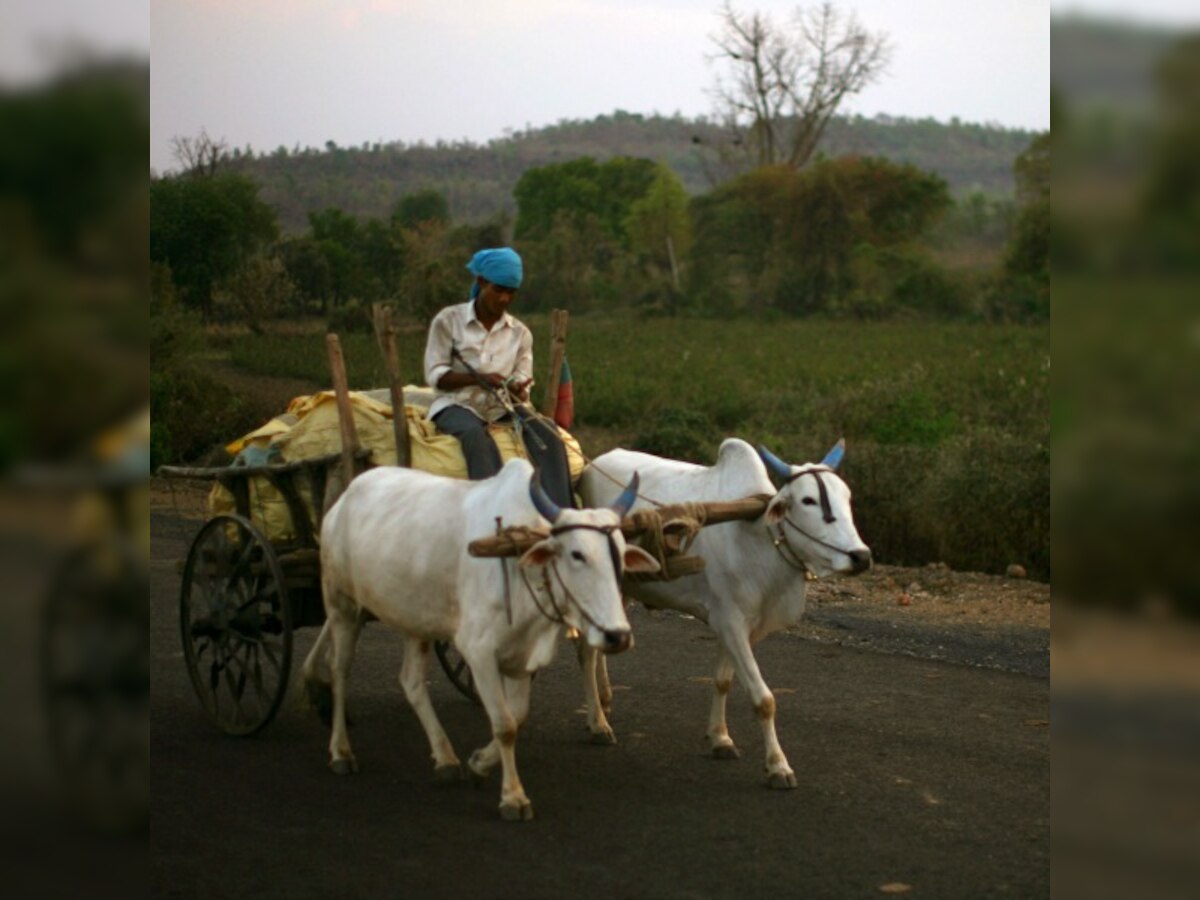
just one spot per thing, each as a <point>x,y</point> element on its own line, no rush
<point>344,766</point>
<point>448,774</point>
<point>604,738</point>
<point>516,812</point>
<point>726,751</point>
<point>781,781</point>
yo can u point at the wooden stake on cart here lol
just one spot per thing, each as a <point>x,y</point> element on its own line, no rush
<point>337,365</point>
<point>558,350</point>
<point>385,333</point>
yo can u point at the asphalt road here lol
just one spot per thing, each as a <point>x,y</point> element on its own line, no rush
<point>912,772</point>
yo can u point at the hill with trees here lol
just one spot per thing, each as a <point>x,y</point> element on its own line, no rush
<point>478,180</point>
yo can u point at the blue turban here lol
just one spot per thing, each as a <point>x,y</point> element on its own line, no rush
<point>501,266</point>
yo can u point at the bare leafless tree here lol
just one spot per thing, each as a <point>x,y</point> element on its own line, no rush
<point>199,155</point>
<point>779,86</point>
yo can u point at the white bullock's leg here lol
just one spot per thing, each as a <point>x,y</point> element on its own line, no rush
<point>516,692</point>
<point>590,662</point>
<point>737,644</point>
<point>718,732</point>
<point>317,677</point>
<point>514,804</point>
<point>603,685</point>
<point>412,680</point>
<point>343,629</point>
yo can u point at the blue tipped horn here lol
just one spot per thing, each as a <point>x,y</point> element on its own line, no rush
<point>546,507</point>
<point>833,458</point>
<point>777,466</point>
<point>624,503</point>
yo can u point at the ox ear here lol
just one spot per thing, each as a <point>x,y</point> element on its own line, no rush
<point>833,458</point>
<point>638,560</point>
<point>540,554</point>
<point>778,508</point>
<point>774,464</point>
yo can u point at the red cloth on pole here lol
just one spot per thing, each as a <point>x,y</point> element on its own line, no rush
<point>564,410</point>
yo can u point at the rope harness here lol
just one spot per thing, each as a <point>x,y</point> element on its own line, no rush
<point>780,539</point>
<point>664,539</point>
<point>556,612</point>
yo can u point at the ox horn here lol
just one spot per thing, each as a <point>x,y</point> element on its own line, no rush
<point>546,507</point>
<point>777,466</point>
<point>624,503</point>
<point>833,458</point>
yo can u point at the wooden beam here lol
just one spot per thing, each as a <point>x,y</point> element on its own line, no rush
<point>210,473</point>
<point>385,334</point>
<point>518,540</point>
<point>558,350</point>
<point>337,366</point>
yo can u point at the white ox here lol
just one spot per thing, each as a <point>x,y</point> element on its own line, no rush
<point>753,582</point>
<point>395,545</point>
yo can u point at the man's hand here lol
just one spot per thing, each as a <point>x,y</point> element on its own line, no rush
<point>520,389</point>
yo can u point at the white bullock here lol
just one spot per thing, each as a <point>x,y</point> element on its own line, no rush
<point>753,582</point>
<point>395,545</point>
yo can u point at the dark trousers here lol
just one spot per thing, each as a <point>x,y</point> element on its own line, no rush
<point>542,443</point>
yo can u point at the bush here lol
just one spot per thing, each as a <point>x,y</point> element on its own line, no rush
<point>190,413</point>
<point>351,317</point>
<point>679,433</point>
<point>978,502</point>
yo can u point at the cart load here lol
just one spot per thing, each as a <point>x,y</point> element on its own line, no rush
<point>310,429</point>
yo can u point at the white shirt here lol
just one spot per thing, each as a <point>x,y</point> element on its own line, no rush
<point>506,350</point>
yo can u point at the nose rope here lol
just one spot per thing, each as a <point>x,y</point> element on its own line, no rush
<point>780,540</point>
<point>558,616</point>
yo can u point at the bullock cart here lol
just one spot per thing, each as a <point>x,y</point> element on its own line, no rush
<point>243,595</point>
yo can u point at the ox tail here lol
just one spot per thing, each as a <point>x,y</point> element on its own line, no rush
<point>317,680</point>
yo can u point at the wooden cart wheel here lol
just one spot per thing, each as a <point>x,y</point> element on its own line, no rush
<point>95,668</point>
<point>236,624</point>
<point>456,668</point>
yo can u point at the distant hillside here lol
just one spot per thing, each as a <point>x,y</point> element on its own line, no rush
<point>478,180</point>
<point>1106,63</point>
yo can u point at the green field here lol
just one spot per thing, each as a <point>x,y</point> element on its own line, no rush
<point>947,424</point>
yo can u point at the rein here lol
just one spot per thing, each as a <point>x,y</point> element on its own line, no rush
<point>780,540</point>
<point>557,612</point>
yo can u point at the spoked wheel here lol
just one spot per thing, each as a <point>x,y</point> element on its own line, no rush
<point>236,624</point>
<point>96,683</point>
<point>456,668</point>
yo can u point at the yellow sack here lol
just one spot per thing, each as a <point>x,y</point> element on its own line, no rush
<point>310,428</point>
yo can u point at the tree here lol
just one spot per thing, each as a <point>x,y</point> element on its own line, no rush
<point>658,226</point>
<point>434,276</point>
<point>205,229</point>
<point>200,155</point>
<point>428,205</point>
<point>257,292</point>
<point>803,242</point>
<point>782,84</point>
<point>580,189</point>
<point>1022,289</point>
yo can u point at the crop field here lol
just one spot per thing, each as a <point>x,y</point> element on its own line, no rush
<point>947,425</point>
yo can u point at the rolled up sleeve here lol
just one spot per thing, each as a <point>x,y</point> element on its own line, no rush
<point>437,348</point>
<point>524,367</point>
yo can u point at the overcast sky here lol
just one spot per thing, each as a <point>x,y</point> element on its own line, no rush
<point>272,72</point>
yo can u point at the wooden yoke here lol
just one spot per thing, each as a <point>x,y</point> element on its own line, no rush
<point>558,350</point>
<point>516,540</point>
<point>337,366</point>
<point>385,334</point>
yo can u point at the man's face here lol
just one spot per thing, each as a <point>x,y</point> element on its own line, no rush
<point>494,299</point>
